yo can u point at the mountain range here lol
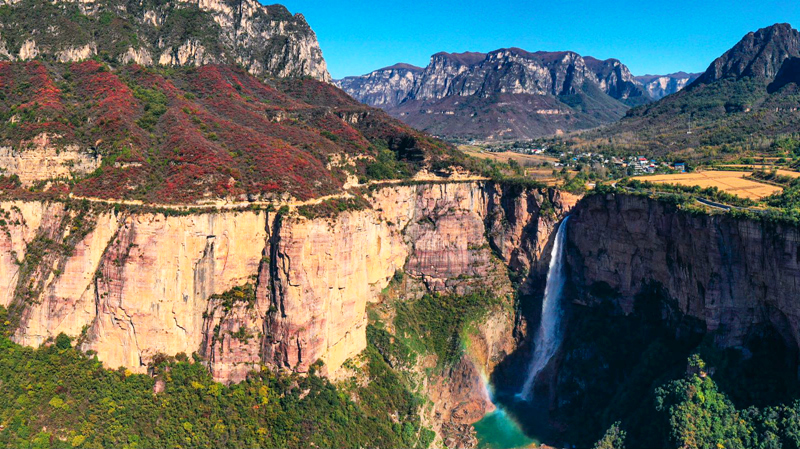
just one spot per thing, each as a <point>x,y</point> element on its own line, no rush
<point>509,93</point>
<point>505,94</point>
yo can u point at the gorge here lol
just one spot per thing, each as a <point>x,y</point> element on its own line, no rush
<point>205,243</point>
<point>283,289</point>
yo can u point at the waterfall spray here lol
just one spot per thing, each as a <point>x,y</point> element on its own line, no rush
<point>548,337</point>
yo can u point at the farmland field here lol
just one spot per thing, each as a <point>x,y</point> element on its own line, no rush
<point>732,182</point>
<point>532,163</point>
<point>525,160</point>
<point>768,168</point>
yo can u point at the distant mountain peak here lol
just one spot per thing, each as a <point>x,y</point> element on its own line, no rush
<point>659,86</point>
<point>402,66</point>
<point>759,54</point>
<point>467,58</point>
<point>506,93</point>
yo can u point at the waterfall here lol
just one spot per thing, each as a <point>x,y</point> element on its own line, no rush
<point>548,337</point>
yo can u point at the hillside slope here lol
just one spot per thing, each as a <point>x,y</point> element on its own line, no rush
<point>186,134</point>
<point>746,98</point>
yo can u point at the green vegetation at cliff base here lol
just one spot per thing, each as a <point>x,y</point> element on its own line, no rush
<point>57,396</point>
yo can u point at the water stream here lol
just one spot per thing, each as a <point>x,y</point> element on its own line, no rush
<point>501,429</point>
<point>548,337</point>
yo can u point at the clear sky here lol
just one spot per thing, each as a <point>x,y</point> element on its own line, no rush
<point>648,36</point>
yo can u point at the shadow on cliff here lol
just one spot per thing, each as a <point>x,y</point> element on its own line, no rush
<point>611,363</point>
<point>509,376</point>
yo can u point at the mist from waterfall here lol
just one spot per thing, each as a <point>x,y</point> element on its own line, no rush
<point>548,337</point>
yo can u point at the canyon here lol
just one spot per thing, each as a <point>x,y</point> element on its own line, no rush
<point>135,285</point>
<point>249,288</point>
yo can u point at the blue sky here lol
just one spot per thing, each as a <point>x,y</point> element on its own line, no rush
<point>648,36</point>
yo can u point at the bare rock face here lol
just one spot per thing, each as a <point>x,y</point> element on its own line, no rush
<point>659,86</point>
<point>135,286</point>
<point>267,40</point>
<point>41,155</point>
<point>325,272</point>
<point>732,275</point>
<point>138,286</point>
<point>508,93</point>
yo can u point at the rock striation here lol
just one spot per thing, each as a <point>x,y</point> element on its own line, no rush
<point>266,40</point>
<point>134,286</point>
<point>734,276</point>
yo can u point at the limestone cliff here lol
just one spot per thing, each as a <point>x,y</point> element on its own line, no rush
<point>659,86</point>
<point>733,276</point>
<point>266,40</point>
<point>132,286</point>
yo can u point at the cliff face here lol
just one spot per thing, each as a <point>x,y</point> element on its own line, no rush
<point>659,86</point>
<point>734,276</point>
<point>382,88</point>
<point>133,286</point>
<point>266,40</point>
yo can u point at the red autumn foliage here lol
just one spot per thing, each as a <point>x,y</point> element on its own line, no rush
<point>44,92</point>
<point>177,136</point>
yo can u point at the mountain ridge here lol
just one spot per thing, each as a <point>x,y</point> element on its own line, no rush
<point>265,39</point>
<point>542,93</point>
<point>744,100</point>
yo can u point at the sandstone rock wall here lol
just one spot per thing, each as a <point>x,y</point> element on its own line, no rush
<point>733,275</point>
<point>44,160</point>
<point>133,286</point>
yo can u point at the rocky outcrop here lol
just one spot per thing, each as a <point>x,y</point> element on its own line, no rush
<point>133,286</point>
<point>734,276</point>
<point>525,88</point>
<point>758,55</point>
<point>659,86</point>
<point>266,40</point>
<point>42,156</point>
<point>77,53</point>
<point>382,88</point>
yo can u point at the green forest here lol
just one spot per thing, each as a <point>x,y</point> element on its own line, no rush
<point>57,396</point>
